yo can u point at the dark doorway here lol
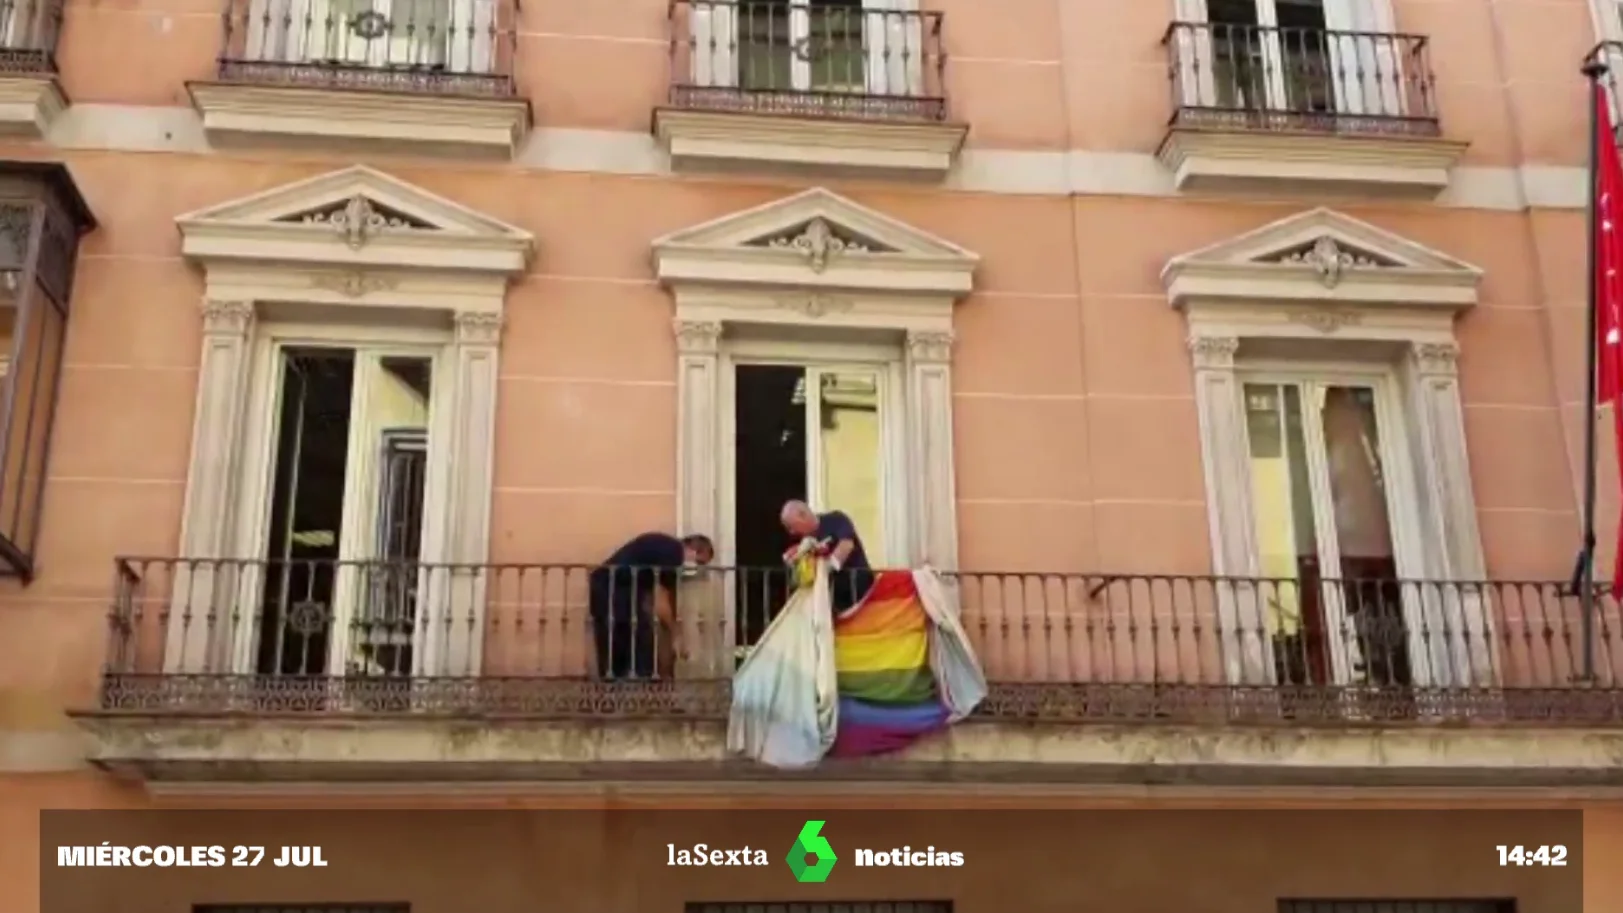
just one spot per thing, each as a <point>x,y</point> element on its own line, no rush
<point>770,458</point>
<point>307,509</point>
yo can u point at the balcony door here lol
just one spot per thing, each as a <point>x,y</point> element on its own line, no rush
<point>843,47</point>
<point>1301,56</point>
<point>430,35</point>
<point>348,444</point>
<point>1332,528</point>
<point>820,432</point>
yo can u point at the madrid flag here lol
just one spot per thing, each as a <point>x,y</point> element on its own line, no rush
<point>1608,303</point>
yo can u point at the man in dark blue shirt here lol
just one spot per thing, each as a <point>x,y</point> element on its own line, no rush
<point>850,577</point>
<point>633,593</point>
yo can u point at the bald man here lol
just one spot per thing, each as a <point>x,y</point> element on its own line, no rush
<point>851,577</point>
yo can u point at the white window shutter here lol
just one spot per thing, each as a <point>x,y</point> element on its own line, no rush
<point>1349,58</point>
<point>1391,71</point>
<point>715,40</point>
<point>879,45</point>
<point>1197,87</point>
<point>471,34</point>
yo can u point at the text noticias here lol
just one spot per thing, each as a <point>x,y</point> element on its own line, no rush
<point>907,856</point>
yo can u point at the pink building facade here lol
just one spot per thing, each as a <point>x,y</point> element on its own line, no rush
<point>1226,356</point>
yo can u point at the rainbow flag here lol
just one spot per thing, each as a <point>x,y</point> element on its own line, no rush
<point>888,697</point>
<point>889,671</point>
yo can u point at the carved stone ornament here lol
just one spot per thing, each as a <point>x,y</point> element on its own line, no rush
<point>1436,357</point>
<point>818,243</point>
<point>1330,260</point>
<point>815,305</point>
<point>227,318</point>
<point>1326,321</point>
<point>352,284</point>
<point>698,337</point>
<point>929,347</point>
<point>1214,352</point>
<point>357,222</point>
<point>478,328</point>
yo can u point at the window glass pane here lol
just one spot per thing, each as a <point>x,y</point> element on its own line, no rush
<point>850,454</point>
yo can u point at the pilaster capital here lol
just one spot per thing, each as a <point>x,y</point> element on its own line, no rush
<point>697,337</point>
<point>478,328</point>
<point>227,318</point>
<point>929,346</point>
<point>1213,353</point>
<point>1435,359</point>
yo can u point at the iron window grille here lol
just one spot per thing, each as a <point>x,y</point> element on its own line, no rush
<point>848,906</point>
<point>1397,906</point>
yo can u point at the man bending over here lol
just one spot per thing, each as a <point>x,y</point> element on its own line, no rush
<point>634,590</point>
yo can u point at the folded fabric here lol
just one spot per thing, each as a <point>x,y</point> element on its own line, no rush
<point>893,669</point>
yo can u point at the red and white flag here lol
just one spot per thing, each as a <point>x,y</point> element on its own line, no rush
<point>1608,263</point>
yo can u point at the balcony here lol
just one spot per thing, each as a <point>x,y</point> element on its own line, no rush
<point>311,670</point>
<point>822,87</point>
<point>1310,110</point>
<point>31,97</point>
<point>433,76</point>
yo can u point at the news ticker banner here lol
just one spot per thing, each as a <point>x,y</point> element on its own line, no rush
<point>648,859</point>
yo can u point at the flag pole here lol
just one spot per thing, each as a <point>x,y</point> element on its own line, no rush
<point>1583,576</point>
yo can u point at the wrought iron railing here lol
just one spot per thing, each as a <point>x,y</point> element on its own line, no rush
<point>445,47</point>
<point>29,31</point>
<point>812,61</point>
<point>1298,79</point>
<point>195,636</point>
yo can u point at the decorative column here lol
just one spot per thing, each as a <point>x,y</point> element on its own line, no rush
<point>707,611</point>
<point>935,491</point>
<point>1452,540</point>
<point>200,635</point>
<point>698,430</point>
<point>1224,452</point>
<point>471,452</point>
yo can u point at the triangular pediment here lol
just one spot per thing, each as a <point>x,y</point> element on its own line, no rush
<point>1295,239</point>
<point>373,215</point>
<point>783,223</point>
<point>326,197</point>
<point>1327,254</point>
<point>814,238</point>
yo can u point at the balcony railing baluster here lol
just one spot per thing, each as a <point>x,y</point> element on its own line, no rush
<point>444,47</point>
<point>29,31</point>
<point>1227,75</point>
<point>331,637</point>
<point>844,62</point>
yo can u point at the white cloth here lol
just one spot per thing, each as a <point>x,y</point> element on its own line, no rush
<point>785,703</point>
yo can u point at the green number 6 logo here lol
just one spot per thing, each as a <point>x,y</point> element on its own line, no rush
<point>811,842</point>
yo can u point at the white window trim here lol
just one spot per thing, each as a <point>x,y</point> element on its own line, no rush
<point>899,298</point>
<point>887,360</point>
<point>1607,17</point>
<point>1394,317</point>
<point>267,279</point>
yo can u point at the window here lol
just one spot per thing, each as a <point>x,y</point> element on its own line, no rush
<point>1300,56</point>
<point>1323,503</point>
<point>851,47</point>
<point>1397,906</point>
<point>822,432</point>
<point>350,442</point>
<point>879,906</point>
<point>431,36</point>
<point>304,908</point>
<point>41,219</point>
